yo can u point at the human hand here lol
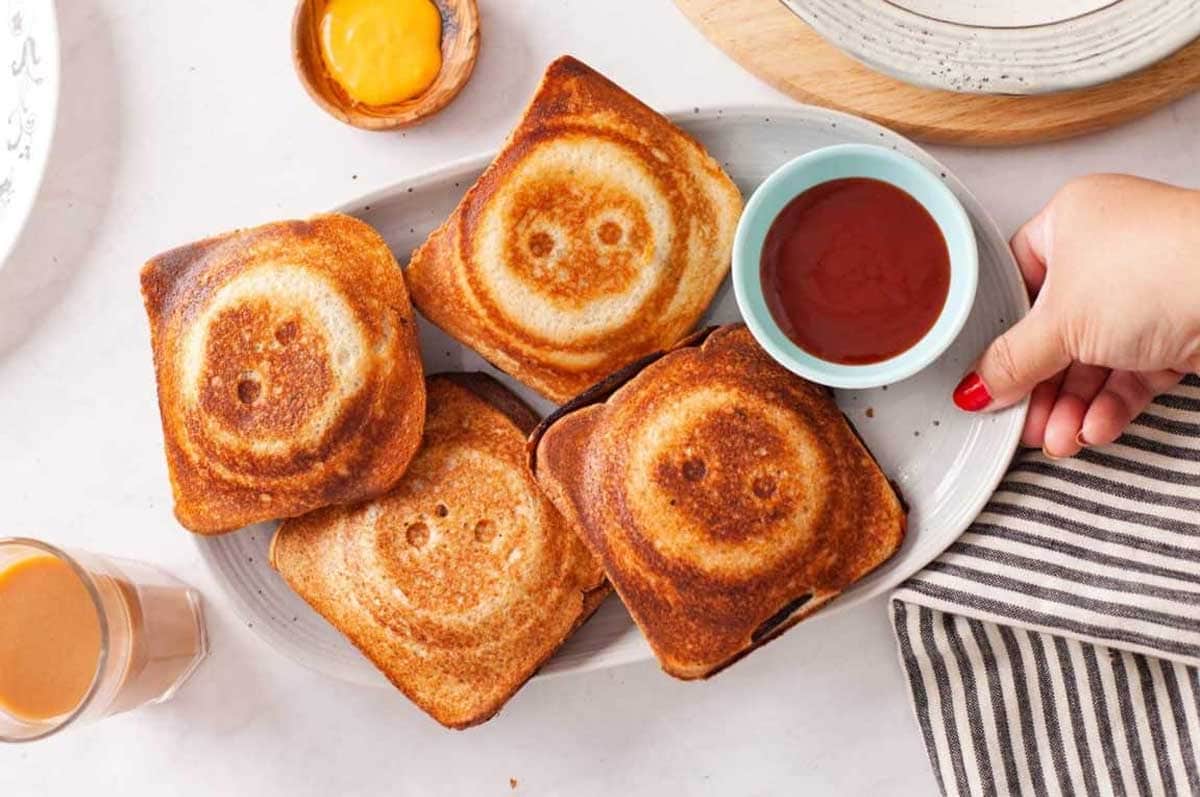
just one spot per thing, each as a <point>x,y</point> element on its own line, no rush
<point>1113,266</point>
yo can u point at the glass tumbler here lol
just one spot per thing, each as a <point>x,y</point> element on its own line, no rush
<point>64,614</point>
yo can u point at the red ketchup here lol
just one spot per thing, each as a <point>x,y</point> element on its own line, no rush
<point>855,271</point>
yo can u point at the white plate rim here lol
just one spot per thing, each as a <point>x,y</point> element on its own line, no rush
<point>937,54</point>
<point>868,588</point>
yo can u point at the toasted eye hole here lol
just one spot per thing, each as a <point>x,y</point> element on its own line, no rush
<point>417,534</point>
<point>763,487</point>
<point>694,470</point>
<point>610,233</point>
<point>441,510</point>
<point>484,532</point>
<point>540,244</point>
<point>286,333</point>
<point>248,388</point>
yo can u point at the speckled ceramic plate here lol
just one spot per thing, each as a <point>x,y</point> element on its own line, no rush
<point>1004,46</point>
<point>946,463</point>
<point>29,84</point>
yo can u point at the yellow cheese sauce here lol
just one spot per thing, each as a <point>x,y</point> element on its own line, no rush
<point>382,51</point>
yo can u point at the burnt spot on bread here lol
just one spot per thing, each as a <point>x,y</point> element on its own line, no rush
<point>286,332</point>
<point>249,388</point>
<point>541,244</point>
<point>774,621</point>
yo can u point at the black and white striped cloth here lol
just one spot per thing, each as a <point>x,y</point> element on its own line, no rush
<point>1053,649</point>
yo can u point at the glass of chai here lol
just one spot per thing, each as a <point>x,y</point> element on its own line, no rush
<point>84,636</point>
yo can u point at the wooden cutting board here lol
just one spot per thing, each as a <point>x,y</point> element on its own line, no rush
<point>770,41</point>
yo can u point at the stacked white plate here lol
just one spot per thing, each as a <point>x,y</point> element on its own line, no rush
<point>1004,46</point>
<point>29,83</point>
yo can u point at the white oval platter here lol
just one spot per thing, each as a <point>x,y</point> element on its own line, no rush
<point>946,463</point>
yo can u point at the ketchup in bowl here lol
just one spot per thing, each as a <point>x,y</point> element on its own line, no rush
<point>855,271</point>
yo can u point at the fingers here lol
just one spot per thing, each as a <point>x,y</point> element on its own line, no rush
<point>1029,248</point>
<point>1124,395</point>
<point>1030,352</point>
<point>1080,386</point>
<point>1041,402</point>
<point>1086,405</point>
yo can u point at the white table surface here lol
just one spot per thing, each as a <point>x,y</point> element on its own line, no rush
<point>180,119</point>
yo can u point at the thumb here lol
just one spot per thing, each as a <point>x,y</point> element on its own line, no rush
<point>1030,352</point>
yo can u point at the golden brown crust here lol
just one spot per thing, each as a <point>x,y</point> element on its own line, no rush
<point>726,497</point>
<point>521,414</point>
<point>464,579</point>
<point>600,233</point>
<point>600,391</point>
<point>288,371</point>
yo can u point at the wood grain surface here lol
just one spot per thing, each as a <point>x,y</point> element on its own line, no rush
<point>771,42</point>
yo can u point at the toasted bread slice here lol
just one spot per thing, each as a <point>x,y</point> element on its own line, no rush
<point>726,497</point>
<point>289,376</point>
<point>461,582</point>
<point>599,234</point>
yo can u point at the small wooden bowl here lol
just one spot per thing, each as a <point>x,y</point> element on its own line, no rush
<point>460,48</point>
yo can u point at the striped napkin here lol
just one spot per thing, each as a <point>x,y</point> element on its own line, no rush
<point>1053,649</point>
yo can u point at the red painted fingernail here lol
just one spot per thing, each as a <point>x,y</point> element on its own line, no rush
<point>971,394</point>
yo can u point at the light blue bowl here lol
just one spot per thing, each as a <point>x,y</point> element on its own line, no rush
<point>831,163</point>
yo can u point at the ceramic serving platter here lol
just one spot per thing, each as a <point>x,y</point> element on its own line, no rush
<point>1004,46</point>
<point>29,85</point>
<point>946,463</point>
